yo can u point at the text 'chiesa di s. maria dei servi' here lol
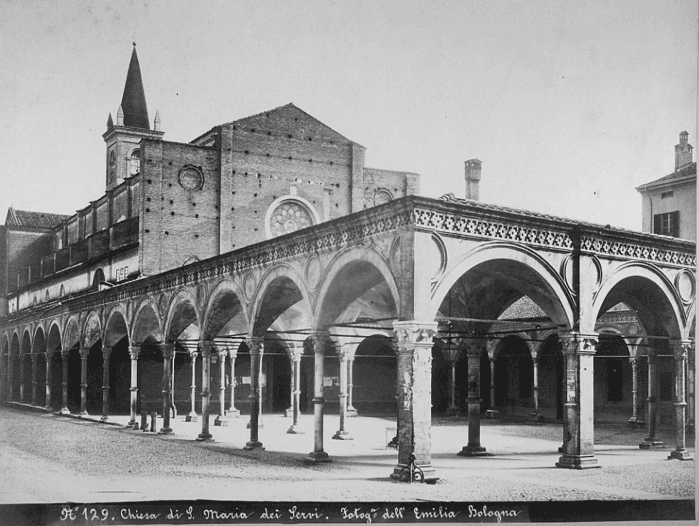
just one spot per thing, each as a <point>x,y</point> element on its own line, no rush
<point>262,267</point>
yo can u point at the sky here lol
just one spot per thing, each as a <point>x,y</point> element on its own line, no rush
<point>569,104</point>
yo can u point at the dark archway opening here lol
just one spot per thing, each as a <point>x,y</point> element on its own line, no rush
<point>514,376</point>
<point>374,377</point>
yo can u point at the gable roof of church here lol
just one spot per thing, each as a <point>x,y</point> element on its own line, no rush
<point>25,218</point>
<point>133,102</point>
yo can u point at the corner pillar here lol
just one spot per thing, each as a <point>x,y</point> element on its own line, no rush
<point>680,349</point>
<point>578,442</point>
<point>414,347</point>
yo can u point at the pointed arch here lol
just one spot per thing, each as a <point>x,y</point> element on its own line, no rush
<point>225,294</point>
<point>183,302</point>
<point>115,327</point>
<point>146,321</point>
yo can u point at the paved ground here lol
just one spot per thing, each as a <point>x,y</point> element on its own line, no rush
<point>50,459</point>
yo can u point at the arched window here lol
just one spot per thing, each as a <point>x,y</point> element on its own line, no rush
<point>135,162</point>
<point>98,278</point>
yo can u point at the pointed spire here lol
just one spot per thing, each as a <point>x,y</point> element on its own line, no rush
<point>156,121</point>
<point>133,101</point>
<point>120,116</point>
<point>110,122</point>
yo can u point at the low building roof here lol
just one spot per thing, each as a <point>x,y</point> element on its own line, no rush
<point>686,171</point>
<point>26,218</point>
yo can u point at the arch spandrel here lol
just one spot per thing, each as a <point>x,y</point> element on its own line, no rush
<point>326,314</point>
<point>558,302</point>
<point>92,330</point>
<point>667,304</point>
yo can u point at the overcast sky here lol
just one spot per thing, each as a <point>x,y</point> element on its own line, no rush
<point>569,104</point>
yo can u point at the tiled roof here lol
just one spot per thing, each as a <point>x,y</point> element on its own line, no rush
<point>523,308</point>
<point>685,171</point>
<point>33,219</point>
<point>379,171</point>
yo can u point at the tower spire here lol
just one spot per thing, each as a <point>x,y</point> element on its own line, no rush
<point>133,102</point>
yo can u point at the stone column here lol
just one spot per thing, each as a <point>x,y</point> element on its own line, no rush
<point>34,357</point>
<point>9,377</point>
<point>133,354</point>
<point>474,348</point>
<point>290,410</point>
<point>232,411</point>
<point>414,346</point>
<point>351,411</point>
<point>64,357</point>
<point>690,387</point>
<point>21,377</point>
<point>168,352</point>
<point>318,342</point>
<point>344,353</point>
<point>452,353</point>
<point>578,442</point>
<point>84,352</point>
<point>651,441</point>
<point>634,390</point>
<point>106,351</point>
<point>206,348</point>
<point>680,350</point>
<point>256,346</point>
<point>221,419</point>
<point>192,416</point>
<point>490,346</point>
<point>296,354</point>
<point>49,359</point>
<point>535,361</point>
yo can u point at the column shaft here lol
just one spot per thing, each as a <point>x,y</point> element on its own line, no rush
<point>133,390</point>
<point>106,351</point>
<point>49,359</point>
<point>64,357</point>
<point>206,349</point>
<point>651,441</point>
<point>634,390</point>
<point>256,346</point>
<point>474,348</point>
<point>232,410</point>
<point>34,358</point>
<point>168,352</point>
<point>84,353</point>
<point>221,419</point>
<point>192,416</point>
<point>342,433</point>
<point>351,411</point>
<point>318,341</point>
<point>296,360</point>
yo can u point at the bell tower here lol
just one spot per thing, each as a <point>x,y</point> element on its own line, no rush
<point>123,137</point>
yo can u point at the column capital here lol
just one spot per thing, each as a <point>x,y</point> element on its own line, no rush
<point>106,351</point>
<point>84,351</point>
<point>65,353</point>
<point>490,346</point>
<point>452,351</point>
<point>134,351</point>
<point>410,333</point>
<point>578,343</point>
<point>318,340</point>
<point>49,354</point>
<point>193,353</point>
<point>167,349</point>
<point>344,351</point>
<point>222,353</point>
<point>34,357</point>
<point>256,344</point>
<point>475,345</point>
<point>681,348</point>
<point>296,353</point>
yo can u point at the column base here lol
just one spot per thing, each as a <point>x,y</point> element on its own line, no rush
<point>84,413</point>
<point>205,437</point>
<point>472,451</point>
<point>64,411</point>
<point>165,431</point>
<point>288,412</point>
<point>191,417</point>
<point>342,435</point>
<point>577,462</point>
<point>221,421</point>
<point>317,457</point>
<point>492,413</point>
<point>427,469</point>
<point>293,430</point>
<point>48,409</point>
<point>680,454</point>
<point>254,444</point>
<point>233,412</point>
<point>650,443</point>
<point>351,412</point>
<point>104,418</point>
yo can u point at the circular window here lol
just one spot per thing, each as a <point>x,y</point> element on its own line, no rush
<point>289,216</point>
<point>191,178</point>
<point>382,196</point>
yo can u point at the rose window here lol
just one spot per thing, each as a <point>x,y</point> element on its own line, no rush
<point>289,217</point>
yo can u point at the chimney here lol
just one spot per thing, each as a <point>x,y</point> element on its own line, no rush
<point>472,169</point>
<point>683,151</point>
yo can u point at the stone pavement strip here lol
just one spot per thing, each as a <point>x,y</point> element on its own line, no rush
<point>45,458</point>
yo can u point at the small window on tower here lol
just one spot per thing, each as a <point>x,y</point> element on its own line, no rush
<point>135,162</point>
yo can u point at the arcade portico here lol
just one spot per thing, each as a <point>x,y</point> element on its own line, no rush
<point>414,271</point>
